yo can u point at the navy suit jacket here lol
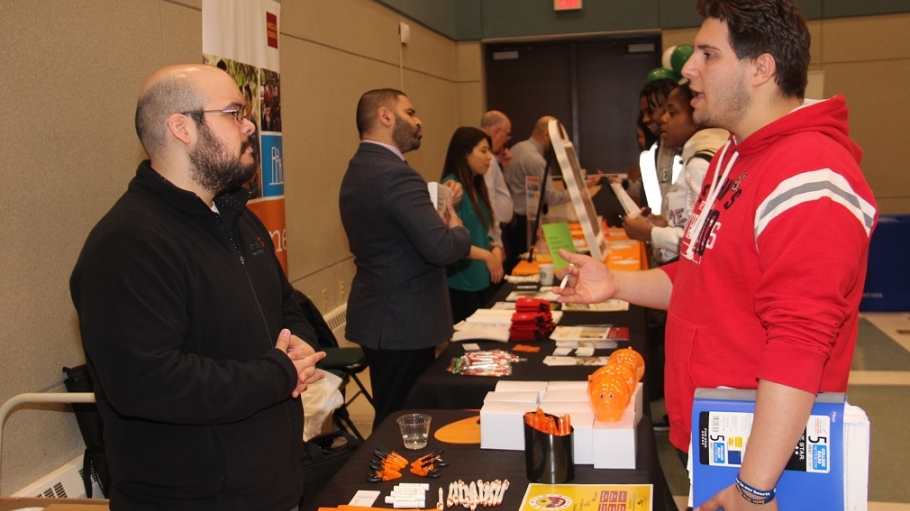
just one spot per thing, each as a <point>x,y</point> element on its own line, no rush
<point>399,297</point>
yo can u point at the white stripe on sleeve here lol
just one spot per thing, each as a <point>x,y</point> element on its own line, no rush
<point>810,186</point>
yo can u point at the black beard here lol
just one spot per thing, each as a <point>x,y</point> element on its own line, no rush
<point>214,169</point>
<point>404,138</point>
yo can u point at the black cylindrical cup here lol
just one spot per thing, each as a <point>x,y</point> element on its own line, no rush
<point>549,458</point>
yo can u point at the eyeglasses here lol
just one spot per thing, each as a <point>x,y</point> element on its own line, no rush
<point>233,112</point>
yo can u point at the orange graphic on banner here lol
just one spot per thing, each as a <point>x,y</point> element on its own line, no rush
<point>271,212</point>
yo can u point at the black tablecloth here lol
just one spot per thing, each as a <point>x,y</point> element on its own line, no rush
<point>437,388</point>
<point>470,463</point>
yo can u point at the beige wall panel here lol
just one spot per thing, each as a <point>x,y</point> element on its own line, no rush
<point>874,115</point>
<point>677,36</point>
<point>470,103</point>
<point>893,206</point>
<point>330,281</point>
<point>72,73</point>
<point>324,84</point>
<point>196,4</point>
<point>469,67</point>
<point>815,50</point>
<point>436,102</point>
<point>181,33</point>
<point>469,61</point>
<point>429,53</point>
<point>38,439</point>
<point>361,27</point>
<point>865,38</point>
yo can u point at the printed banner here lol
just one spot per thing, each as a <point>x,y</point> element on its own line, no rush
<point>241,37</point>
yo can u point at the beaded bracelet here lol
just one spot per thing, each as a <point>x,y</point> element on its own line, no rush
<point>753,495</point>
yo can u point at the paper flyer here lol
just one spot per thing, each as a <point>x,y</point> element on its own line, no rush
<point>575,361</point>
<point>590,333</point>
<point>558,236</point>
<point>607,306</point>
<point>595,497</point>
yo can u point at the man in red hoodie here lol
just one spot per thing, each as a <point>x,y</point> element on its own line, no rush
<point>773,260</point>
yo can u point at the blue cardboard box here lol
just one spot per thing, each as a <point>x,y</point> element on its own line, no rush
<point>887,285</point>
<point>812,479</point>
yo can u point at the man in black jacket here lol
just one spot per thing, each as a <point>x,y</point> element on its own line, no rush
<point>399,308</point>
<point>194,342</point>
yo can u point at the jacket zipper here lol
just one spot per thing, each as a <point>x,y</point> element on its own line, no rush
<point>265,323</point>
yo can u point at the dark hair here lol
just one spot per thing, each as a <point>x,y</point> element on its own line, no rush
<point>776,27</point>
<point>463,142</point>
<point>657,89</point>
<point>369,105</point>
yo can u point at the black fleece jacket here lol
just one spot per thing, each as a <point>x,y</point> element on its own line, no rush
<point>179,310</point>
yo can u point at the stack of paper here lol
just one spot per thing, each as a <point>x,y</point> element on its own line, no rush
<point>589,336</point>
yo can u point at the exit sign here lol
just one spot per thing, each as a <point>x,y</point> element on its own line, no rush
<point>566,5</point>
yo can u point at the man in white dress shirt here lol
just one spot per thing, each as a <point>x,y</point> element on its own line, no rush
<point>495,124</point>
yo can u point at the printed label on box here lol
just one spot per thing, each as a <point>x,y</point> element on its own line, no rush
<point>724,437</point>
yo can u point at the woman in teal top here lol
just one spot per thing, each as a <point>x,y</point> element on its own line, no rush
<point>467,160</point>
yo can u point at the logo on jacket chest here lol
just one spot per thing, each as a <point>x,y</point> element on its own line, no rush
<point>709,228</point>
<point>257,247</point>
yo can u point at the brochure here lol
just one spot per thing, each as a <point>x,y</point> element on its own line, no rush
<point>439,194</point>
<point>558,236</point>
<point>607,306</point>
<point>543,295</point>
<point>590,333</point>
<point>556,497</point>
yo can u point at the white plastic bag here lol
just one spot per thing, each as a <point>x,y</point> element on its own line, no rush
<point>319,400</point>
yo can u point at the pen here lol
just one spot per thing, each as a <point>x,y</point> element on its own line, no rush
<point>565,279</point>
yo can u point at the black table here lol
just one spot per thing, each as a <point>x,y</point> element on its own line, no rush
<point>437,388</point>
<point>469,462</point>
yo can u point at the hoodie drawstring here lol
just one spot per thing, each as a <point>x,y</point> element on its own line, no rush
<point>713,192</point>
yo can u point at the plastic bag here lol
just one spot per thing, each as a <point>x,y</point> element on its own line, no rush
<point>319,400</point>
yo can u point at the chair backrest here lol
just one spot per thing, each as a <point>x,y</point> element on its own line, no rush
<point>324,335</point>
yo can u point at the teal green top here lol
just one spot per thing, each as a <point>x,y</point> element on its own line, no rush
<point>469,274</point>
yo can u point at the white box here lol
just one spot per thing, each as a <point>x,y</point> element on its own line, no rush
<point>520,386</point>
<point>512,397</point>
<point>614,442</point>
<point>568,385</point>
<point>639,402</point>
<point>565,396</point>
<point>502,425</point>
<point>583,425</point>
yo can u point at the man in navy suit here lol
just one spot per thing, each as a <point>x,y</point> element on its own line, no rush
<point>399,308</point>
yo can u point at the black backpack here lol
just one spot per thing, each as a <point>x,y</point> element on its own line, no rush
<point>89,420</point>
<point>323,456</point>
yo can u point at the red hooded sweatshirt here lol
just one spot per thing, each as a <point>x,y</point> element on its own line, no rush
<point>772,264</point>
